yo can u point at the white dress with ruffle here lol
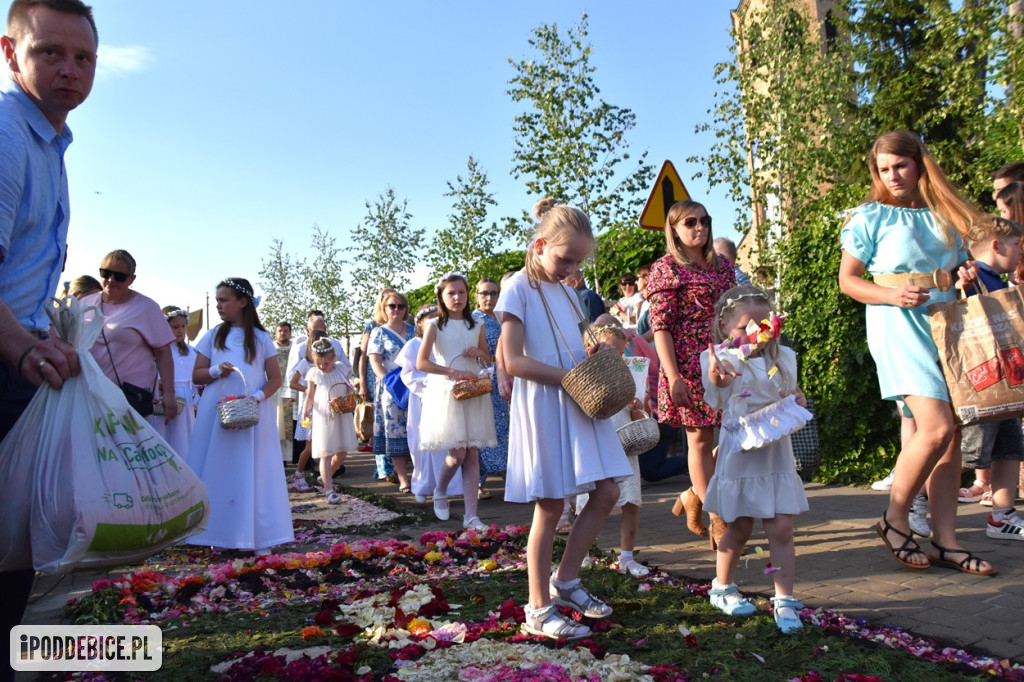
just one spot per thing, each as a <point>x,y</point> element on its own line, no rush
<point>447,423</point>
<point>426,463</point>
<point>755,473</point>
<point>331,433</point>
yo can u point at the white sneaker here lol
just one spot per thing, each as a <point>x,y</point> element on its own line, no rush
<point>299,482</point>
<point>884,484</point>
<point>1010,527</point>
<point>919,516</point>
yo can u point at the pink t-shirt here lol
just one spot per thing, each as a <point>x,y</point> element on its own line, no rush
<point>133,329</point>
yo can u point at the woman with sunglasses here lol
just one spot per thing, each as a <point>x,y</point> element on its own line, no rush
<point>390,444</point>
<point>136,340</point>
<point>628,307</point>
<point>682,290</point>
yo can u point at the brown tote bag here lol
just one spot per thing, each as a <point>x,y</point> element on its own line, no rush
<point>980,341</point>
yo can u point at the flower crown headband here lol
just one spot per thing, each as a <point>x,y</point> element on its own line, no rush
<point>176,313</point>
<point>236,286</point>
<point>429,310</point>
<point>613,328</point>
<point>447,276</point>
<point>323,346</point>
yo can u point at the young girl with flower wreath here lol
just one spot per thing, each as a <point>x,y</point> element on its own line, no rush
<point>555,450</point>
<point>752,379</point>
<point>333,435</point>
<point>461,427</point>
<point>178,431</point>
<point>241,468</point>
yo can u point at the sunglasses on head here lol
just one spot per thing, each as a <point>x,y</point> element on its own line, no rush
<point>691,221</point>
<point>396,306</point>
<point>114,274</point>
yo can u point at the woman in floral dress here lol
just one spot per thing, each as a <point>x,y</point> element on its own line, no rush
<point>389,420</point>
<point>492,460</point>
<point>683,288</point>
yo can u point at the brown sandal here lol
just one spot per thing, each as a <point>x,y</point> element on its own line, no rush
<point>970,563</point>
<point>718,527</point>
<point>694,508</point>
<point>904,551</point>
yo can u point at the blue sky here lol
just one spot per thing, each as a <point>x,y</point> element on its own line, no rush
<point>216,127</point>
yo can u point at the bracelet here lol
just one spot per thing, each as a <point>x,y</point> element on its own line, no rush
<point>259,396</point>
<point>24,355</point>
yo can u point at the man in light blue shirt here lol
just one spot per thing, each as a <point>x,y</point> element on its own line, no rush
<point>50,51</point>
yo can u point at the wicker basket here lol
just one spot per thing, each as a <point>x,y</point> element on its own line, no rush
<point>342,404</point>
<point>639,436</point>
<point>158,406</point>
<point>601,385</point>
<point>464,390</point>
<point>238,413</point>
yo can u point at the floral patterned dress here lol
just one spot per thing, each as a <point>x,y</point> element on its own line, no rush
<point>389,420</point>
<point>494,460</point>
<point>683,304</point>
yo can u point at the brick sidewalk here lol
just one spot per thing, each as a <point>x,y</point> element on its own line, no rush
<point>841,564</point>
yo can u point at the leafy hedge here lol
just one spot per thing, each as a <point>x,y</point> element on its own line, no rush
<point>859,432</point>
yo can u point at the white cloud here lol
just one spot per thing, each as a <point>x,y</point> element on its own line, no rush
<point>120,61</point>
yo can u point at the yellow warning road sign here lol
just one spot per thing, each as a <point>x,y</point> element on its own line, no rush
<point>668,189</point>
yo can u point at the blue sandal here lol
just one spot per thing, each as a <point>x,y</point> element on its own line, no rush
<point>727,599</point>
<point>787,613</point>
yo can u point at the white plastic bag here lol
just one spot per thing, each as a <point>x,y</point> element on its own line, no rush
<point>88,482</point>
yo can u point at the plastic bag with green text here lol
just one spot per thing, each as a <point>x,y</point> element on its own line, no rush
<point>87,482</point>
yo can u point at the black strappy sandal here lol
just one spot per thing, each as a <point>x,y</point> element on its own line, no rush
<point>908,549</point>
<point>970,563</point>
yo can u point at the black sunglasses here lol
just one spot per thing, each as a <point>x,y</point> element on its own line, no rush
<point>114,274</point>
<point>486,293</point>
<point>691,221</point>
<point>396,306</point>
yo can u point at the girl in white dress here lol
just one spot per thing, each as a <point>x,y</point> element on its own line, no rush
<point>427,464</point>
<point>555,449</point>
<point>333,434</point>
<point>461,427</point>
<point>241,468</point>
<point>178,431</point>
<point>752,379</point>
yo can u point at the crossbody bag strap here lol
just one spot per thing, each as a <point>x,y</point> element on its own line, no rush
<point>554,326</point>
<point>107,344</point>
<point>584,330</point>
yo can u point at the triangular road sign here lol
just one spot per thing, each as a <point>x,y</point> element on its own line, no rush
<point>668,189</point>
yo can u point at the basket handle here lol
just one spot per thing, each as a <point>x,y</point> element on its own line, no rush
<point>245,384</point>
<point>340,383</point>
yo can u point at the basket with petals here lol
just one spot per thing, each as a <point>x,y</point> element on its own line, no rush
<point>342,404</point>
<point>238,412</point>
<point>158,405</point>
<point>472,388</point>
<point>639,436</point>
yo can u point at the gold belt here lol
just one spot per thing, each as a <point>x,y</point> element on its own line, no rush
<point>940,279</point>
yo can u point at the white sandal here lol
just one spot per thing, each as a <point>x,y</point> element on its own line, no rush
<point>333,498</point>
<point>440,512</point>
<point>634,568</point>
<point>548,622</point>
<point>475,523</point>
<point>575,596</point>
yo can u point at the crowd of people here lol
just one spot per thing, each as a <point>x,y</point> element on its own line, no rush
<point>462,394</point>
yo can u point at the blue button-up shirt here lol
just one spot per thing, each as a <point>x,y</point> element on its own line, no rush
<point>34,206</point>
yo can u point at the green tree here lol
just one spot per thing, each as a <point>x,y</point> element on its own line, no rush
<point>467,238</point>
<point>325,289</point>
<point>282,279</point>
<point>385,249</point>
<point>570,144</point>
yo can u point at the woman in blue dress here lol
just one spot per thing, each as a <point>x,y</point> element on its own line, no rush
<point>492,460</point>
<point>390,445</point>
<point>908,235</point>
